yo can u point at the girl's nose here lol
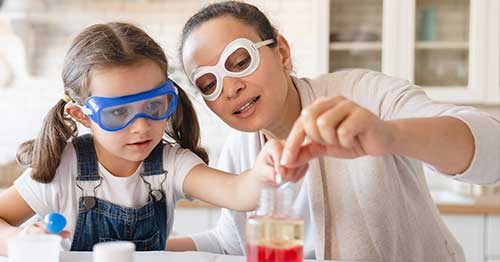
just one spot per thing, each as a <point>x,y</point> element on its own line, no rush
<point>140,125</point>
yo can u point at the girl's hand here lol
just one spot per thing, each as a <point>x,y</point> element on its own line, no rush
<point>39,228</point>
<point>268,167</point>
<point>336,127</point>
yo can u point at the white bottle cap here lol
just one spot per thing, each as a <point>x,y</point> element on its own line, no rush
<point>122,251</point>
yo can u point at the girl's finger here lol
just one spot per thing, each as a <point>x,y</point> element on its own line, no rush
<point>65,234</point>
<point>35,229</point>
<point>274,150</point>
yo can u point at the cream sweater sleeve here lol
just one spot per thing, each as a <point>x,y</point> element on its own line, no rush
<point>394,98</point>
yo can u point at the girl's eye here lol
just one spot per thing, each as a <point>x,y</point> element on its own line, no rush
<point>153,105</point>
<point>154,108</point>
<point>120,112</point>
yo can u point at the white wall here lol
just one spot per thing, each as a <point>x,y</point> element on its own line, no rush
<point>52,24</point>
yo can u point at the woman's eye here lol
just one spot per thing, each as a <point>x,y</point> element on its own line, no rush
<point>244,62</point>
<point>205,89</point>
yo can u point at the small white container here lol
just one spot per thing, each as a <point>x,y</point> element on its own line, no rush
<point>34,248</point>
<point>119,251</point>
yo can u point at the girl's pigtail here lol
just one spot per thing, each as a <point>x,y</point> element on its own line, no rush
<point>43,154</point>
<point>185,127</point>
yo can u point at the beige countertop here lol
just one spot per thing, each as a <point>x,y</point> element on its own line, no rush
<point>452,203</point>
<point>447,203</point>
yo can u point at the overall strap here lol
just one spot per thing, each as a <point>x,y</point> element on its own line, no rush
<point>153,164</point>
<point>86,158</point>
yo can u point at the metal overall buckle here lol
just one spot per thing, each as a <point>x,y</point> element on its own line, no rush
<point>156,193</point>
<point>89,202</point>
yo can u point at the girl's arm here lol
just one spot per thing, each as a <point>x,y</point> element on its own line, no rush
<point>180,244</point>
<point>13,212</point>
<point>240,192</point>
<point>226,190</point>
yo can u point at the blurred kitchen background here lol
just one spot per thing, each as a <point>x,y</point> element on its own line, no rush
<point>451,48</point>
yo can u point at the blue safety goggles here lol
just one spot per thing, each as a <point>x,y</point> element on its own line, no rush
<point>116,113</point>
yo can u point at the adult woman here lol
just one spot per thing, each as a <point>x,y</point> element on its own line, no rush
<point>365,196</point>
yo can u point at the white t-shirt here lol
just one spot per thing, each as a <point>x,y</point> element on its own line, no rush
<point>239,153</point>
<point>62,195</point>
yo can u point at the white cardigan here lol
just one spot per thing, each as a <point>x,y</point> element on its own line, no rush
<point>369,208</point>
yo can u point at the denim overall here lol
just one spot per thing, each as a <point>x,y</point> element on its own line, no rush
<point>100,221</point>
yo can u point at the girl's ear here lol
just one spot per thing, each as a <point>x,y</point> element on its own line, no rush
<point>77,114</point>
<point>284,51</point>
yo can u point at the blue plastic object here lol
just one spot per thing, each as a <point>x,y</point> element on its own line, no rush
<point>95,105</point>
<point>54,222</point>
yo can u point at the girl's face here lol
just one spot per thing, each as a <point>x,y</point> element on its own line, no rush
<point>249,103</point>
<point>136,141</point>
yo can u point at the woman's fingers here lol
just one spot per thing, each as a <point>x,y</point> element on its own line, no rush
<point>319,122</point>
<point>312,113</point>
<point>306,153</point>
<point>293,143</point>
<point>355,124</point>
<point>297,173</point>
<point>330,119</point>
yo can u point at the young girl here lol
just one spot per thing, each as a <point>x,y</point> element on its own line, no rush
<point>364,197</point>
<point>122,181</point>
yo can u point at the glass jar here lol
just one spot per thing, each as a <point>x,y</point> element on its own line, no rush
<point>275,234</point>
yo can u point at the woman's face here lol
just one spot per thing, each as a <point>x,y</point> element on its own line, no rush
<point>249,103</point>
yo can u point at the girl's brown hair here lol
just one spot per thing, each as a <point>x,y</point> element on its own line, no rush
<point>246,13</point>
<point>102,45</point>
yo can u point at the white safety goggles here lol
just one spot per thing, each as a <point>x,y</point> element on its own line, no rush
<point>240,58</point>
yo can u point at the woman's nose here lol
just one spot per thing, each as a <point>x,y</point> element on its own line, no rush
<point>232,86</point>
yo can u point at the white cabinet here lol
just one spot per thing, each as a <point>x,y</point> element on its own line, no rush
<point>469,231</point>
<point>449,47</point>
<point>478,234</point>
<point>493,236</point>
<point>193,220</point>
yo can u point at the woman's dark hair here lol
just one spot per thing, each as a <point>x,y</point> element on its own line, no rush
<point>101,46</point>
<point>246,13</point>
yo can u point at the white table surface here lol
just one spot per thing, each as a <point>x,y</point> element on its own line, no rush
<point>155,256</point>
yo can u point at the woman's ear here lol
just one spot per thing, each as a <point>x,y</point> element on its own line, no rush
<point>285,54</point>
<point>76,112</point>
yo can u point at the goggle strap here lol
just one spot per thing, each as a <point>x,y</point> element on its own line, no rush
<point>85,110</point>
<point>263,43</point>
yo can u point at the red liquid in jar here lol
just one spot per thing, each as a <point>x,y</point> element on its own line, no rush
<point>270,254</point>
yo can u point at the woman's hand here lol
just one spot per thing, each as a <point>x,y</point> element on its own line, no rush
<point>268,165</point>
<point>336,127</point>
